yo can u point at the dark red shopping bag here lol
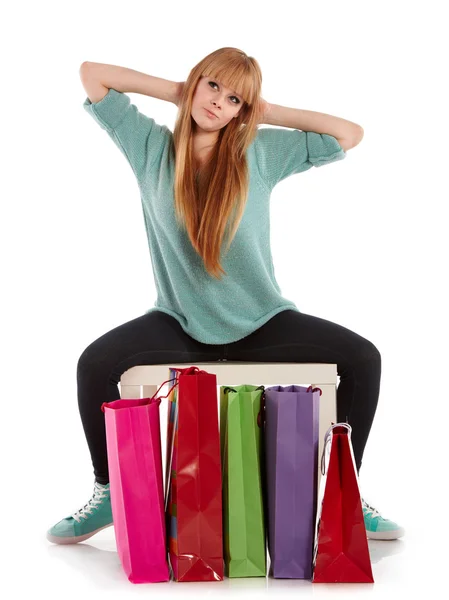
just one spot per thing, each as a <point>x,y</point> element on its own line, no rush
<point>341,545</point>
<point>193,501</point>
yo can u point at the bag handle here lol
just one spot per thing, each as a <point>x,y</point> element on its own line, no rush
<point>312,389</point>
<point>153,398</point>
<point>162,384</point>
<point>227,388</point>
<point>327,439</point>
<point>263,398</point>
<point>186,371</point>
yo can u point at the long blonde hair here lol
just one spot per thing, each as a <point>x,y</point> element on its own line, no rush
<point>222,190</point>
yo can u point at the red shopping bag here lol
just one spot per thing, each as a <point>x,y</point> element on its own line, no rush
<point>137,496</point>
<point>193,501</point>
<point>341,553</point>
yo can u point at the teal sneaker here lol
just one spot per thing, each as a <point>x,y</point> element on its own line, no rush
<point>86,522</point>
<point>378,528</point>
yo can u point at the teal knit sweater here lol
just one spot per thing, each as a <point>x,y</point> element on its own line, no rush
<point>211,311</point>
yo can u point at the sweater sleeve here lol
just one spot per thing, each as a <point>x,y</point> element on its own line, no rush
<point>137,136</point>
<point>282,152</point>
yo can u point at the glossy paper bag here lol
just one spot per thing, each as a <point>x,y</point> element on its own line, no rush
<point>291,457</point>
<point>193,478</point>
<point>137,497</point>
<point>341,545</point>
<point>241,417</point>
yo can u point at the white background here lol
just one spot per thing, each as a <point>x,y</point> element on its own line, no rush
<point>361,242</point>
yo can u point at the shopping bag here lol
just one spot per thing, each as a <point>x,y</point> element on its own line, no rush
<point>193,502</point>
<point>136,483</point>
<point>241,446</point>
<point>341,553</point>
<point>291,457</point>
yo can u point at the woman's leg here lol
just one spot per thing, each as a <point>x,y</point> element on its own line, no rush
<point>153,338</point>
<point>298,337</point>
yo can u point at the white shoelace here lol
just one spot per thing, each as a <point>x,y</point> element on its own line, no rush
<point>371,509</point>
<point>97,498</point>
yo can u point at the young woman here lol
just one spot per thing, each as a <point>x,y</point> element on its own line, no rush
<point>205,192</point>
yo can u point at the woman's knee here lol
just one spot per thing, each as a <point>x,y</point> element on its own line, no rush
<point>368,351</point>
<point>92,360</point>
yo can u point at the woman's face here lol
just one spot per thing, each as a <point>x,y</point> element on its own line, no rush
<point>223,102</point>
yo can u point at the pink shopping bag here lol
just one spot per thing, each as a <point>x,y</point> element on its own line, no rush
<point>136,484</point>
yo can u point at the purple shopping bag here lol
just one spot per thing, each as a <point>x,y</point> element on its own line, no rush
<point>291,465</point>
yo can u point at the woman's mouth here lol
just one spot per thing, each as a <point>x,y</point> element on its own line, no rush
<point>209,114</point>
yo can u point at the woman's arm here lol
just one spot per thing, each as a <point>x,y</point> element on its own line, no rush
<point>347,133</point>
<point>98,78</point>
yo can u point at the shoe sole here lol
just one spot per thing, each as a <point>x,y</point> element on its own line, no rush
<point>385,535</point>
<point>74,539</point>
<point>373,535</point>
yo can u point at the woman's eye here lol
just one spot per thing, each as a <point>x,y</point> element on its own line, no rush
<point>238,101</point>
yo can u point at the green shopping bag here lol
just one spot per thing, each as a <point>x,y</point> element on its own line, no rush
<point>242,459</point>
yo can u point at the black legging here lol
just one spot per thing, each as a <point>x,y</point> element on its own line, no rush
<point>289,336</point>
